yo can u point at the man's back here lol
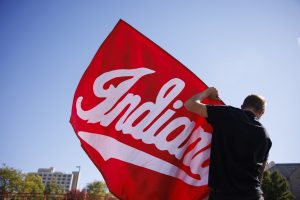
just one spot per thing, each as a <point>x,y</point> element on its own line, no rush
<point>240,145</point>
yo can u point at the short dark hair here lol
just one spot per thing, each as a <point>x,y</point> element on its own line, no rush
<point>254,101</point>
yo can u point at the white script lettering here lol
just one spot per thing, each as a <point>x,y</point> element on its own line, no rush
<point>155,116</point>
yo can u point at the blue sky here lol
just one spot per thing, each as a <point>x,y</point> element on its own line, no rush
<point>240,47</point>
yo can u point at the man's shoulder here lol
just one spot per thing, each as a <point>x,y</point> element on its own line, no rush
<point>220,113</point>
<point>224,108</point>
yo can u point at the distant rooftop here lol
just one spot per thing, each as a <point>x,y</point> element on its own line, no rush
<point>286,169</point>
<point>47,170</point>
<point>291,171</point>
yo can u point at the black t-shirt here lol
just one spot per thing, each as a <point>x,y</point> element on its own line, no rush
<point>240,145</point>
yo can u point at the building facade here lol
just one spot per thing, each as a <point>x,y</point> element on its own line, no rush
<point>67,181</point>
<point>291,171</point>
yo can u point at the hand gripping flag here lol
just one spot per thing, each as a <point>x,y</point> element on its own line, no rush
<point>129,116</point>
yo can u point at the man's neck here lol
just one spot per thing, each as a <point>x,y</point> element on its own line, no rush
<point>252,110</point>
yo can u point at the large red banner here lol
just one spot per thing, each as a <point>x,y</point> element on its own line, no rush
<point>129,116</point>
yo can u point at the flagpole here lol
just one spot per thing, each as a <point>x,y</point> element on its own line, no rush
<point>78,166</point>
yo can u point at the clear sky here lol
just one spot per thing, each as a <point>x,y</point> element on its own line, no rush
<point>240,47</point>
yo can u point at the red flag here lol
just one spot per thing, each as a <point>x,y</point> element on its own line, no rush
<point>129,117</point>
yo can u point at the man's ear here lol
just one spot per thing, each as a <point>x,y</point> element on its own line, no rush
<point>260,112</point>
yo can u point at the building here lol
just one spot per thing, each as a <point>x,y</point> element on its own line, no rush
<point>67,181</point>
<point>291,172</point>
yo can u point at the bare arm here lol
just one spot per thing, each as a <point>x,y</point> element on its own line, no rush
<point>194,103</point>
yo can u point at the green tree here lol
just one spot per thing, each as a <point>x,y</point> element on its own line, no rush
<point>53,188</point>
<point>275,187</point>
<point>33,185</point>
<point>96,189</point>
<point>11,180</point>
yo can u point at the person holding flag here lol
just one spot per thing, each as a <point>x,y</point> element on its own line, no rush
<point>239,148</point>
